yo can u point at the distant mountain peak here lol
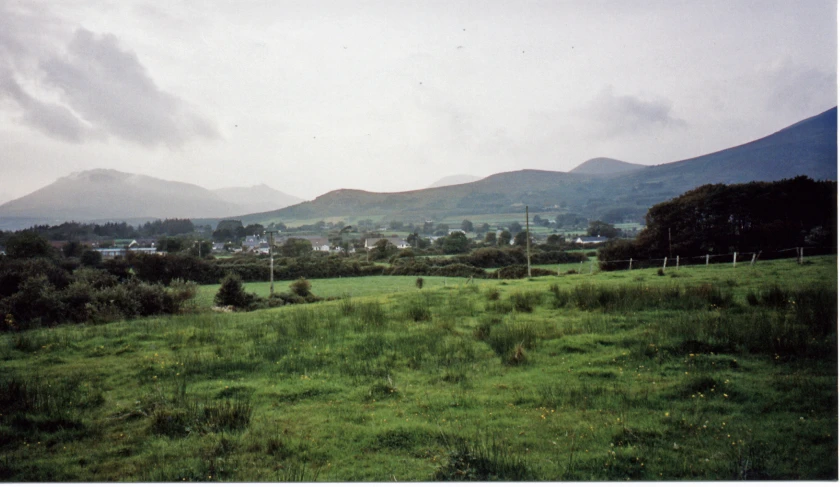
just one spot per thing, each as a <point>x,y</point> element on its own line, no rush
<point>453,180</point>
<point>605,166</point>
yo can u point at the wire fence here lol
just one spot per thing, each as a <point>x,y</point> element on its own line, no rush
<point>706,259</point>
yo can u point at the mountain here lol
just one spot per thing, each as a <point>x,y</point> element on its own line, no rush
<point>606,166</point>
<point>256,198</point>
<point>806,148</point>
<point>100,194</point>
<point>453,180</point>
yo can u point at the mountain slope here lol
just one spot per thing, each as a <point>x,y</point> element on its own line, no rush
<point>453,180</point>
<point>805,148</point>
<point>104,193</point>
<point>256,199</point>
<point>606,166</point>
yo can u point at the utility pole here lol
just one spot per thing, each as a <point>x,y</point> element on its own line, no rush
<point>528,241</point>
<point>271,260</point>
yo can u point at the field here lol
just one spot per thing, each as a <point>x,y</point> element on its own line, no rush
<point>705,373</point>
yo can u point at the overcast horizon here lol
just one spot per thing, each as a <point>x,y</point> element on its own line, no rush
<point>393,96</point>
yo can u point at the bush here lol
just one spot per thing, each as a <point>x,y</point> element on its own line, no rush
<point>232,293</point>
<point>301,287</point>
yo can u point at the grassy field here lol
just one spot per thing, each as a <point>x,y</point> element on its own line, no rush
<point>715,373</point>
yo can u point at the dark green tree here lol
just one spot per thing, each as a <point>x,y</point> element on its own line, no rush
<point>467,226</point>
<point>515,227</point>
<point>28,245</point>
<point>296,247</point>
<point>504,238</point>
<point>598,228</point>
<point>456,243</point>
<point>232,293</point>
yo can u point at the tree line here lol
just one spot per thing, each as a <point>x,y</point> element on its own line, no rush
<point>717,218</point>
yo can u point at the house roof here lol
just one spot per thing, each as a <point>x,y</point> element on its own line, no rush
<point>591,239</point>
<point>396,241</point>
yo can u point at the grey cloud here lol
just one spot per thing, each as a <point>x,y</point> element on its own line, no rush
<point>800,90</point>
<point>111,89</point>
<point>615,115</point>
<point>50,118</point>
<point>91,87</point>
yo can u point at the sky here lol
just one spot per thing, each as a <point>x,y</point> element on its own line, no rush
<point>311,96</point>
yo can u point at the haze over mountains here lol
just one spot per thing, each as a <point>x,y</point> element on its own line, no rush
<point>599,188</point>
<point>453,180</point>
<point>107,194</point>
<point>606,166</point>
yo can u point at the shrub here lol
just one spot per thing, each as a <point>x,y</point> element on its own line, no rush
<point>525,301</point>
<point>301,287</point>
<point>482,462</point>
<point>232,293</point>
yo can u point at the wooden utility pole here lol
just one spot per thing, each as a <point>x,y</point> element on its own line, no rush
<point>271,260</point>
<point>528,241</point>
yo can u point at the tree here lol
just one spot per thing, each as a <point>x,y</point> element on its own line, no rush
<point>254,229</point>
<point>467,226</point>
<point>442,229</point>
<point>521,239</point>
<point>515,228</point>
<point>490,238</point>
<point>504,238</point>
<point>72,249</point>
<point>90,258</point>
<point>170,244</point>
<point>555,239</point>
<point>483,228</point>
<point>27,245</point>
<point>383,249</point>
<point>457,243</point>
<point>232,293</point>
<point>598,228</point>
<point>296,247</point>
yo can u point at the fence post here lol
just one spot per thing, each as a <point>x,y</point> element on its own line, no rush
<point>665,263</point>
<point>590,267</point>
<point>678,262</point>
<point>734,258</point>
<point>752,262</point>
<point>801,255</point>
<point>707,260</point>
<point>631,263</point>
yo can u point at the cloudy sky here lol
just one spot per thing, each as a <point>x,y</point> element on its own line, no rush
<point>310,96</point>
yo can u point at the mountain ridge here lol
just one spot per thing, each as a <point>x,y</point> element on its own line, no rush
<point>807,147</point>
<point>108,194</point>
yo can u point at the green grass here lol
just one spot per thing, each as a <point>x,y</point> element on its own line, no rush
<point>702,374</point>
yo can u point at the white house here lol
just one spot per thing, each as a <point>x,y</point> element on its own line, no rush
<point>590,240</point>
<point>396,241</point>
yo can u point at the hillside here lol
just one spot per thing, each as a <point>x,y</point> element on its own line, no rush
<point>453,180</point>
<point>256,198</point>
<point>805,148</point>
<point>606,166</point>
<point>108,194</point>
